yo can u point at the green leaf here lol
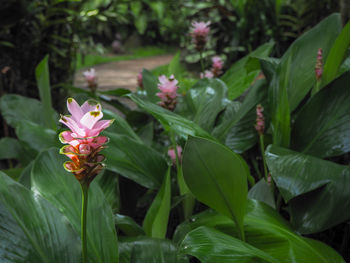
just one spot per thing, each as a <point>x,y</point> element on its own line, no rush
<point>171,121</point>
<point>156,221</point>
<point>109,184</point>
<point>120,125</point>
<point>36,136</point>
<point>149,250</point>
<point>175,67</point>
<point>43,81</point>
<point>297,66</point>
<point>115,92</point>
<point>266,230</point>
<point>16,108</point>
<point>280,108</point>
<point>262,192</point>
<point>315,189</point>
<point>211,246</point>
<point>135,160</point>
<point>336,55</point>
<point>205,100</point>
<point>10,148</point>
<point>321,128</point>
<point>238,78</point>
<point>237,128</point>
<point>217,177</point>
<point>127,225</point>
<point>150,82</point>
<point>31,229</point>
<point>55,184</point>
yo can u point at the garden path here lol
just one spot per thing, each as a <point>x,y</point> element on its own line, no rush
<point>121,74</point>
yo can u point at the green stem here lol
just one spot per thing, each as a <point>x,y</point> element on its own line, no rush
<point>262,149</point>
<point>201,59</point>
<point>84,203</point>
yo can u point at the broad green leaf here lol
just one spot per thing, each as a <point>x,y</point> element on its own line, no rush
<point>36,136</point>
<point>120,125</point>
<point>135,160</point>
<point>43,81</point>
<point>150,84</point>
<point>266,230</point>
<point>315,189</point>
<point>336,55</point>
<point>10,148</point>
<point>128,226</point>
<point>149,250</point>
<point>60,188</point>
<point>31,229</point>
<point>217,177</point>
<point>297,66</point>
<point>205,100</point>
<point>238,78</point>
<point>237,127</point>
<point>16,108</point>
<point>210,246</point>
<point>175,67</point>
<point>155,223</point>
<point>141,22</point>
<point>146,133</point>
<point>280,108</point>
<point>262,192</point>
<point>171,121</point>
<point>109,184</point>
<point>115,92</point>
<point>322,126</point>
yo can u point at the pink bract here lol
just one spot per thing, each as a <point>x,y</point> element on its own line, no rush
<point>200,28</point>
<point>172,154</point>
<point>207,74</point>
<point>90,75</point>
<point>84,121</point>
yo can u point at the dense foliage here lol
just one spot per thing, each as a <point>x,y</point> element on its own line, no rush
<point>260,175</point>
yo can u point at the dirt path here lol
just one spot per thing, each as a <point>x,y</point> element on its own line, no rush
<point>122,74</point>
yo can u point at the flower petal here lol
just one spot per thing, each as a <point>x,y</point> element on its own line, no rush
<point>91,105</point>
<point>74,109</point>
<point>99,126</point>
<point>90,118</point>
<point>71,124</point>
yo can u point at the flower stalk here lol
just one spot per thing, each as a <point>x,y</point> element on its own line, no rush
<point>84,204</point>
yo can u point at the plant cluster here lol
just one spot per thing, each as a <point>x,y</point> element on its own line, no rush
<point>241,168</point>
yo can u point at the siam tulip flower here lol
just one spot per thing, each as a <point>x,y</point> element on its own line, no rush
<point>84,142</point>
<point>199,33</point>
<point>260,121</point>
<point>217,66</point>
<point>172,154</point>
<point>207,74</point>
<point>91,79</point>
<point>168,88</point>
<point>139,80</point>
<point>319,65</point>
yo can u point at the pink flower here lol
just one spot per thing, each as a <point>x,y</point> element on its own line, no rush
<point>217,66</point>
<point>199,33</point>
<point>91,78</point>
<point>84,142</point>
<point>260,120</point>
<point>207,74</point>
<point>172,154</point>
<point>139,80</point>
<point>319,65</point>
<point>168,88</point>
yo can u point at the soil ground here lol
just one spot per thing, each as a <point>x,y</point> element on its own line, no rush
<point>121,74</point>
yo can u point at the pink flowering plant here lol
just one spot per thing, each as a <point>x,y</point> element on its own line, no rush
<point>199,33</point>
<point>84,144</point>
<point>168,92</point>
<point>91,79</point>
